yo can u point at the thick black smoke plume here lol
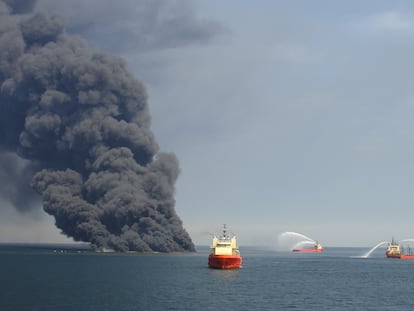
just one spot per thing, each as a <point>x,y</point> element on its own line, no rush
<point>82,121</point>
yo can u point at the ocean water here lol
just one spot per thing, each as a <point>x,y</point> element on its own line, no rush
<point>55,279</point>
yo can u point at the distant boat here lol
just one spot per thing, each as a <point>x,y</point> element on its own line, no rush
<point>224,253</point>
<point>395,251</point>
<point>316,248</point>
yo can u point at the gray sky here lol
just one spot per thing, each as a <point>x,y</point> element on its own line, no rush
<point>284,115</point>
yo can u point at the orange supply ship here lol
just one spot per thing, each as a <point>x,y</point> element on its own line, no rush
<point>395,251</point>
<point>224,253</point>
<point>317,248</point>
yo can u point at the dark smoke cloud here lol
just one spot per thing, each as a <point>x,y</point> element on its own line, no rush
<point>81,122</point>
<point>20,6</point>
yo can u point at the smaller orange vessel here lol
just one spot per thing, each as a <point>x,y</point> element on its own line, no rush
<point>317,248</point>
<point>224,253</point>
<point>395,251</point>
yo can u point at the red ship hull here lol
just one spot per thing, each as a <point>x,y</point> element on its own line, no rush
<point>224,261</point>
<point>308,250</point>
<point>400,256</point>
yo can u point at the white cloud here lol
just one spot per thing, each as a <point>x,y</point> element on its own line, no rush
<point>390,20</point>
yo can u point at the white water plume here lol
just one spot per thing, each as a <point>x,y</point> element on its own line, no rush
<point>289,240</point>
<point>289,234</point>
<point>302,244</point>
<point>367,254</point>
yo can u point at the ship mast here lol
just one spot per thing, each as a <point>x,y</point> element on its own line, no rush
<point>224,231</point>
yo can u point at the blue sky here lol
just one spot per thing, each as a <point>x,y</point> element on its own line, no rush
<point>284,115</point>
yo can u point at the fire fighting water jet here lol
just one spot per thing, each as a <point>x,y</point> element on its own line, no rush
<point>367,254</point>
<point>290,240</point>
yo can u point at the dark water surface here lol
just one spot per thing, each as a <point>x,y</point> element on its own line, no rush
<point>44,279</point>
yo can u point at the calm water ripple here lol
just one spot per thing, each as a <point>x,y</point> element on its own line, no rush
<point>41,279</point>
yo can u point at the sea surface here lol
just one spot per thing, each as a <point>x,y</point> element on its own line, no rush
<point>60,278</point>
